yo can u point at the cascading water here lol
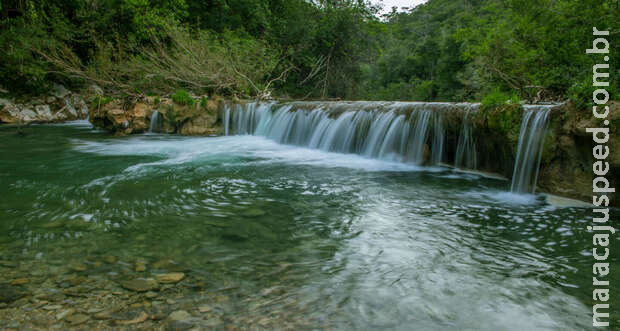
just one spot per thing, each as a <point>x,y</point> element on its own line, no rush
<point>401,132</point>
<point>226,120</point>
<point>466,148</point>
<point>529,150</point>
<point>154,124</point>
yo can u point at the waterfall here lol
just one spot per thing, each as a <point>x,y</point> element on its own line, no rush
<point>466,148</point>
<point>153,125</point>
<point>226,120</point>
<point>529,150</point>
<point>401,132</point>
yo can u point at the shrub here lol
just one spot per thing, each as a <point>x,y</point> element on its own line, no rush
<point>182,97</point>
<point>203,102</point>
<point>424,91</point>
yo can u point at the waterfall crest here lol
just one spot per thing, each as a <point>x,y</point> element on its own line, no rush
<point>226,120</point>
<point>401,132</point>
<point>529,150</point>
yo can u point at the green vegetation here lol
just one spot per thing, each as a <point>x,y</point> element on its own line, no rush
<point>451,50</point>
<point>498,98</point>
<point>182,97</point>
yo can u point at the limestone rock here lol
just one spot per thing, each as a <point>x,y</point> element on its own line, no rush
<point>77,319</point>
<point>9,293</point>
<point>170,278</point>
<point>63,314</point>
<point>180,315</point>
<point>140,284</point>
<point>60,91</point>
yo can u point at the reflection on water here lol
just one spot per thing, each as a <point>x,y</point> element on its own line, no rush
<point>309,238</point>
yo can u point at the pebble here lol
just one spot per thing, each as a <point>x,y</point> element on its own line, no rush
<point>8,264</point>
<point>173,277</point>
<point>64,313</point>
<point>78,267</point>
<point>20,281</point>
<point>137,318</point>
<point>150,294</point>
<point>109,259</point>
<point>179,326</point>
<point>77,319</point>
<point>204,309</point>
<point>140,284</point>
<point>140,266</point>
<point>52,307</point>
<point>180,315</point>
<point>103,315</point>
<point>9,293</point>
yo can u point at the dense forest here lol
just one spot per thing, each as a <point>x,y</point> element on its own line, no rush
<point>443,50</point>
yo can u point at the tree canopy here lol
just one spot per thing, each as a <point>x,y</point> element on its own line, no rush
<point>449,50</point>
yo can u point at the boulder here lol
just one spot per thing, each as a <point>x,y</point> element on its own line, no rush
<point>44,113</point>
<point>566,166</point>
<point>60,91</point>
<point>136,117</point>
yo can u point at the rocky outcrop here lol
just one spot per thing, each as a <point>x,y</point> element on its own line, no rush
<point>566,166</point>
<point>62,105</point>
<point>121,118</point>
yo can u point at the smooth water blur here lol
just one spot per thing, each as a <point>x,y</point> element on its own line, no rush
<point>315,239</point>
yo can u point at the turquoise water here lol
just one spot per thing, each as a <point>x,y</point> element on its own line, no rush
<point>307,238</point>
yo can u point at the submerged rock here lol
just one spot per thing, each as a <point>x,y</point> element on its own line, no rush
<point>63,314</point>
<point>132,317</point>
<point>140,284</point>
<point>77,319</point>
<point>9,293</point>
<point>173,277</point>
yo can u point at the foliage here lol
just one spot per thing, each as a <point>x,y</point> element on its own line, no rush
<point>453,50</point>
<point>498,98</point>
<point>182,97</point>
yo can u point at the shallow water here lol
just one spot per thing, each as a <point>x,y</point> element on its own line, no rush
<point>307,238</point>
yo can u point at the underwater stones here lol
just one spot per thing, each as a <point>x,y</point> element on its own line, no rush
<point>150,295</point>
<point>8,264</point>
<point>9,293</point>
<point>109,259</point>
<point>180,315</point>
<point>63,314</point>
<point>20,281</point>
<point>140,266</point>
<point>77,319</point>
<point>52,307</point>
<point>102,315</point>
<point>132,317</point>
<point>140,284</point>
<point>180,320</point>
<point>179,325</point>
<point>78,267</point>
<point>170,278</point>
<point>204,309</point>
